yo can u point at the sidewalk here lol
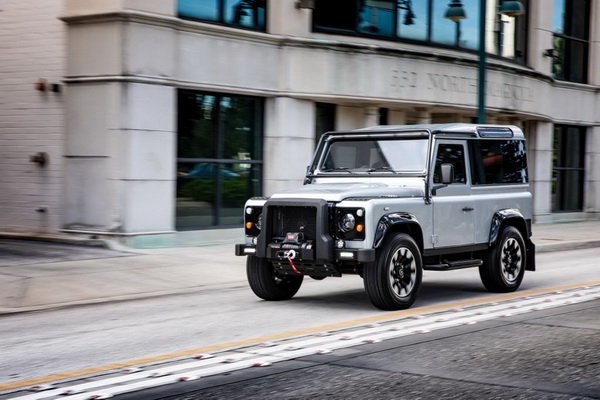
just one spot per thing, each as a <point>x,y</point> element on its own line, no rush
<point>39,275</point>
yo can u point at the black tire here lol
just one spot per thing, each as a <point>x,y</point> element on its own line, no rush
<point>267,284</point>
<point>393,280</point>
<point>504,263</point>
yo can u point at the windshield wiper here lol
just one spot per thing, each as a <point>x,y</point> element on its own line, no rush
<point>389,169</point>
<point>343,169</point>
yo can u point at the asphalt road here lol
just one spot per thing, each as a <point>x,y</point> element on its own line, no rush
<point>546,355</point>
<point>552,354</point>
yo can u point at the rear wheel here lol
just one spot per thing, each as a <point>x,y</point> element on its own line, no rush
<point>504,263</point>
<point>393,280</point>
<point>267,283</point>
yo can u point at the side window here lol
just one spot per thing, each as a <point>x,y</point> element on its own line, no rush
<point>498,161</point>
<point>454,154</point>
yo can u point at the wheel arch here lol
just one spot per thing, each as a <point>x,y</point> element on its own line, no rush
<point>398,222</point>
<point>513,217</point>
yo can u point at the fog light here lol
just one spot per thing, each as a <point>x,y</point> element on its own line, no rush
<point>346,254</point>
<point>340,244</point>
<point>255,241</point>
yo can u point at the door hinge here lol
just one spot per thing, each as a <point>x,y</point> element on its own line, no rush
<point>434,239</point>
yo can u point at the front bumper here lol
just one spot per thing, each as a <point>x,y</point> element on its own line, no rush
<point>339,255</point>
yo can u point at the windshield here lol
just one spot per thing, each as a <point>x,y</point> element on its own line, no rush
<point>376,155</point>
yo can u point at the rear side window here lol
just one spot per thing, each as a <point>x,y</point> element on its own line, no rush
<point>498,161</point>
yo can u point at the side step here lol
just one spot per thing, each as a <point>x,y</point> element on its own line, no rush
<point>453,265</point>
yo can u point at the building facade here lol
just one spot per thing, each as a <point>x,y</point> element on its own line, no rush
<point>157,119</point>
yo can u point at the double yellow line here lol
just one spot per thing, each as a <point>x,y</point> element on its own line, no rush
<point>283,335</point>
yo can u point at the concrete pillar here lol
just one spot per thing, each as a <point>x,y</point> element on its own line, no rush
<point>540,169</point>
<point>592,173</point>
<point>120,154</point>
<point>120,134</point>
<point>594,61</point>
<point>348,118</point>
<point>285,19</point>
<point>397,117</point>
<point>78,7</point>
<point>422,116</point>
<point>540,35</point>
<point>289,142</point>
<point>371,116</point>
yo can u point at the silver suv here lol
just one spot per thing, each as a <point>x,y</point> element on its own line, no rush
<point>387,203</point>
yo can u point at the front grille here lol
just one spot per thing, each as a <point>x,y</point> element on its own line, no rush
<point>286,219</point>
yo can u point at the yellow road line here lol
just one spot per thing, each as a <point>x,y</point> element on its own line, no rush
<point>283,335</point>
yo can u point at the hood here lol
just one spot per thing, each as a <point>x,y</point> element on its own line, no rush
<point>339,191</point>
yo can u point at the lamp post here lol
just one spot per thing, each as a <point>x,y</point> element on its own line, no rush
<point>455,13</point>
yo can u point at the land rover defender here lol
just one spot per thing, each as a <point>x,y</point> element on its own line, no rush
<point>387,203</point>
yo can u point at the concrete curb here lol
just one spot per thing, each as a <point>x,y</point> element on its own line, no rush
<point>567,246</point>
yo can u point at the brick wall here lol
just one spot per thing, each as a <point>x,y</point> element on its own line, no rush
<point>32,46</point>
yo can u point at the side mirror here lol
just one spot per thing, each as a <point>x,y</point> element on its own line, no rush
<point>447,174</point>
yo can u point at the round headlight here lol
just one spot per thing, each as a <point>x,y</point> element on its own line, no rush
<point>347,222</point>
<point>249,210</point>
<point>259,222</point>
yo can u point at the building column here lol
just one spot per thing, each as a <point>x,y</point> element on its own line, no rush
<point>397,117</point>
<point>540,35</point>
<point>540,169</point>
<point>120,132</point>
<point>120,158</point>
<point>289,143</point>
<point>371,116</point>
<point>422,116</point>
<point>592,173</point>
<point>594,54</point>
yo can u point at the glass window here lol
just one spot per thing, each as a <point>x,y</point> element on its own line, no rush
<point>568,168</point>
<point>206,10</point>
<point>219,158</point>
<point>424,20</point>
<point>336,14</point>
<point>570,22</point>
<point>443,30</point>
<point>367,156</point>
<point>377,17</point>
<point>450,154</point>
<point>243,13</point>
<point>498,161</point>
<point>413,20</point>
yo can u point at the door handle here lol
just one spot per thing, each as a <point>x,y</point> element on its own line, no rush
<point>467,209</point>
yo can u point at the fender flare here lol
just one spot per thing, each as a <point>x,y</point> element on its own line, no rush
<point>523,224</point>
<point>499,218</point>
<point>392,219</point>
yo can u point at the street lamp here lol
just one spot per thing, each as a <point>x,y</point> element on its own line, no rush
<point>455,13</point>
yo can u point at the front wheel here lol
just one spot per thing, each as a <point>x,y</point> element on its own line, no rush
<point>267,283</point>
<point>504,263</point>
<point>393,280</point>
